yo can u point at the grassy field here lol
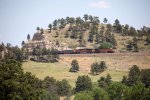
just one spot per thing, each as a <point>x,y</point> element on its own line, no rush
<point>60,71</point>
<point>117,67</point>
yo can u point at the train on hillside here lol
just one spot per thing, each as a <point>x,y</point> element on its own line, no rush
<point>86,51</point>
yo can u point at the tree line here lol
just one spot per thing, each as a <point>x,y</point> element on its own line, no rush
<point>22,54</point>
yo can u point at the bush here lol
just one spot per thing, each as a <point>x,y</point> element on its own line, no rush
<point>105,45</point>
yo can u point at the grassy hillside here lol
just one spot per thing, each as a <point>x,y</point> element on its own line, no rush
<point>117,67</point>
<point>73,43</point>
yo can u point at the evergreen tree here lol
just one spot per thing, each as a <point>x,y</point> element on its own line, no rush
<point>83,83</point>
<point>134,75</point>
<point>117,90</point>
<point>63,87</point>
<point>105,20</point>
<point>86,17</point>
<point>38,29</point>
<point>108,79</point>
<point>74,66</point>
<point>55,23</point>
<point>28,37</point>
<point>50,27</point>
<point>90,39</point>
<point>145,77</point>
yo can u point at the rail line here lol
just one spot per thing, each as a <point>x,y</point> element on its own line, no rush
<point>106,54</point>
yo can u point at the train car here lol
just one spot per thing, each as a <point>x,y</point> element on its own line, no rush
<point>86,51</point>
<point>68,52</point>
<point>82,50</point>
<point>103,51</point>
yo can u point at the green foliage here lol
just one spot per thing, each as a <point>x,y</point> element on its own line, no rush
<point>49,84</point>
<point>100,94</point>
<point>90,39</point>
<point>134,75</point>
<point>74,66</point>
<point>132,31</point>
<point>55,22</point>
<point>98,68</point>
<point>118,27</point>
<point>84,95</point>
<point>53,55</point>
<point>83,83</point>
<point>67,34</point>
<point>86,17</point>
<point>73,35</point>
<point>116,90</point>
<point>137,92</point>
<point>50,27</point>
<point>14,84</point>
<point>105,20</point>
<point>145,77</point>
<point>63,87</point>
<point>105,45</point>
<point>28,37</point>
<point>104,82</point>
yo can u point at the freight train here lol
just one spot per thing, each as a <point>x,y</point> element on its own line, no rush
<point>86,51</point>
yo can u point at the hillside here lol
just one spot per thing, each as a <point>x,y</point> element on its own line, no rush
<point>117,66</point>
<point>77,32</point>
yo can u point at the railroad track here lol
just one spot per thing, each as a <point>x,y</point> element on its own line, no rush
<point>106,54</point>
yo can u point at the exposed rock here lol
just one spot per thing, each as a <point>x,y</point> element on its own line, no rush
<point>37,37</point>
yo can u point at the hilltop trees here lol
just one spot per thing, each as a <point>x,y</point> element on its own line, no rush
<point>28,37</point>
<point>74,66</point>
<point>50,27</point>
<point>97,33</point>
<point>62,23</point>
<point>86,17</point>
<point>55,22</point>
<point>38,29</point>
<point>118,27</point>
<point>105,20</point>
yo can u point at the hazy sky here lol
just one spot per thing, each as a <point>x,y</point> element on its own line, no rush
<point>21,17</point>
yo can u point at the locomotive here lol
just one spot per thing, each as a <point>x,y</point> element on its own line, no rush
<point>86,51</point>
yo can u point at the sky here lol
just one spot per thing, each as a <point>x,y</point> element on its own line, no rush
<point>21,17</point>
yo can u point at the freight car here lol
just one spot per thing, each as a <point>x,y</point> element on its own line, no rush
<point>85,51</point>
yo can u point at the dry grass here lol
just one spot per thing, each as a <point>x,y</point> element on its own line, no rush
<point>117,67</point>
